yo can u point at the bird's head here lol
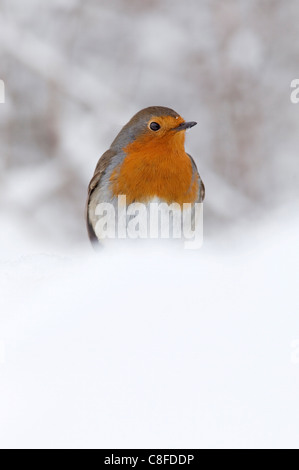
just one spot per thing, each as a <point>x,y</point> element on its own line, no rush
<point>154,126</point>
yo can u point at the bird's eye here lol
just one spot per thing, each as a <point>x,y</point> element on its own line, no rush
<point>154,126</point>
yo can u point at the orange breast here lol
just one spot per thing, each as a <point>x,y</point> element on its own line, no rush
<point>156,168</point>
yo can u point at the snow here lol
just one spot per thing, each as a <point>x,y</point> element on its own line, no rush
<point>154,348</point>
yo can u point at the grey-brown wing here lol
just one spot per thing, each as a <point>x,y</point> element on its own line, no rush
<point>99,172</point>
<point>202,190</point>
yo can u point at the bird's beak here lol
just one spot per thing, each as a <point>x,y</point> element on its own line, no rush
<point>184,126</point>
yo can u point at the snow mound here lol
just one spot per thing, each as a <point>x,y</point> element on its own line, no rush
<point>152,349</point>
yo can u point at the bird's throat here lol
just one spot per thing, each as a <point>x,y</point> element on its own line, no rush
<point>156,168</point>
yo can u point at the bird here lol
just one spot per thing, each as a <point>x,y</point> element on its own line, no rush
<point>146,162</point>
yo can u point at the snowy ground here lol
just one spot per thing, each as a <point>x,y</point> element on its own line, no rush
<point>158,349</point>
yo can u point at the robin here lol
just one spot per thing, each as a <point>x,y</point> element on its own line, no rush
<point>146,162</point>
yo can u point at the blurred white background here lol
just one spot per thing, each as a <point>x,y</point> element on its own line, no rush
<point>106,352</point>
<point>76,72</point>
